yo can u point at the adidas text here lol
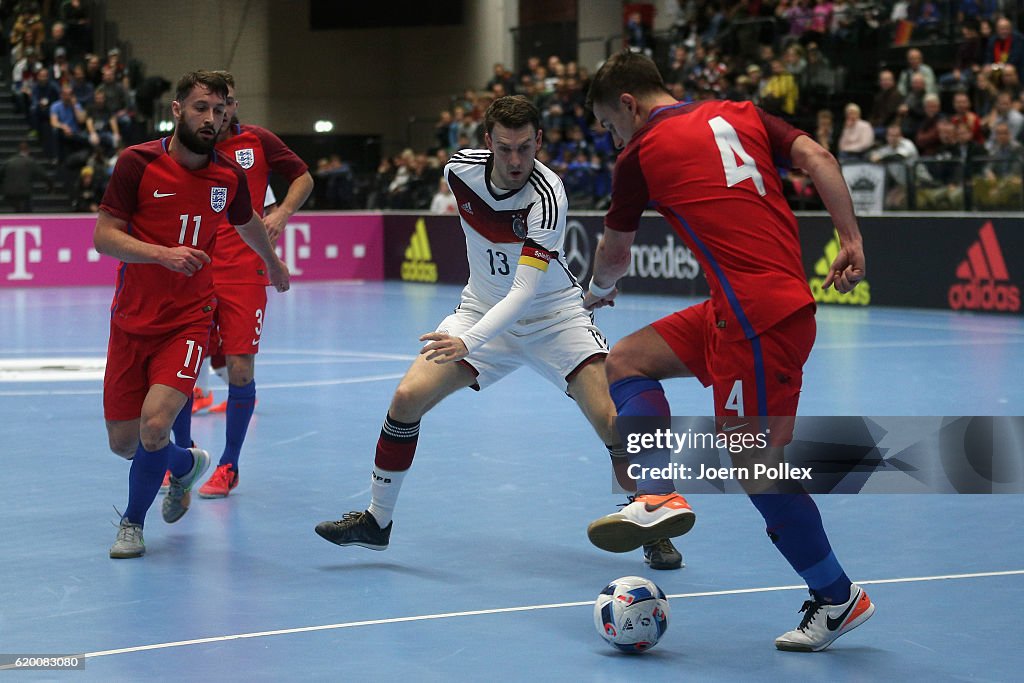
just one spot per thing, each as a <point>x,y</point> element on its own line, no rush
<point>419,265</point>
<point>984,278</point>
<point>975,296</point>
<point>861,296</point>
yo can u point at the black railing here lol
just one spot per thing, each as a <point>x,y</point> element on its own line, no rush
<point>938,184</point>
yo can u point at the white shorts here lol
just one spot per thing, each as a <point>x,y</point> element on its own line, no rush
<point>555,345</point>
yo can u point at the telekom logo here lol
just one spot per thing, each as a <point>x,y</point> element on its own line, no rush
<point>21,252</point>
<point>293,249</point>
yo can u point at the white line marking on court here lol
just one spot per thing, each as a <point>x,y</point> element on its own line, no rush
<point>372,355</point>
<point>509,610</point>
<point>330,382</point>
<point>954,325</point>
<point>915,343</point>
<point>268,385</point>
<point>300,437</point>
<point>329,361</point>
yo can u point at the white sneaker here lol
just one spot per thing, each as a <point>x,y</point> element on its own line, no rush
<point>178,496</point>
<point>648,518</point>
<point>129,541</point>
<point>823,623</point>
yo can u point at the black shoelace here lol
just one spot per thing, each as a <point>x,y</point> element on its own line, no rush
<point>809,609</point>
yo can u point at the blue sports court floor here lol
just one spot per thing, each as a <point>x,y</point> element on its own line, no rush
<point>489,574</point>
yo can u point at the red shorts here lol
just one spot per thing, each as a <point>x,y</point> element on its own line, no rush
<point>759,376</point>
<point>239,319</point>
<point>135,362</point>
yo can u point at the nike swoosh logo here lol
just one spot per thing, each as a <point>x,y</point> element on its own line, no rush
<point>733,428</point>
<point>834,624</point>
<point>652,508</point>
<point>255,342</point>
<point>158,194</point>
<point>181,376</point>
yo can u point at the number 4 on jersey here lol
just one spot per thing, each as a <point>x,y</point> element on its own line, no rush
<point>735,400</point>
<point>731,148</point>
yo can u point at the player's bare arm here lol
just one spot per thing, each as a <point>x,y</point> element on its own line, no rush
<point>254,233</point>
<point>611,262</point>
<point>111,238</point>
<point>848,268</point>
<point>298,193</point>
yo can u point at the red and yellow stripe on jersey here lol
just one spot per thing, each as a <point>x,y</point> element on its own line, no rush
<point>535,255</point>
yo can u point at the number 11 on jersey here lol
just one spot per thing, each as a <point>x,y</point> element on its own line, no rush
<point>193,350</point>
<point>196,220</point>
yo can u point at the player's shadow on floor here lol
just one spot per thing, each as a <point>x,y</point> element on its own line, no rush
<point>394,567</point>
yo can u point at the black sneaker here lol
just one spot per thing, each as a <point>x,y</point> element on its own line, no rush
<point>356,528</point>
<point>663,555</point>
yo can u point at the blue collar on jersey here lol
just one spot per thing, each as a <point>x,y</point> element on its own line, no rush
<point>657,111</point>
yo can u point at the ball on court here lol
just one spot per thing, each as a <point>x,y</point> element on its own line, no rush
<point>631,613</point>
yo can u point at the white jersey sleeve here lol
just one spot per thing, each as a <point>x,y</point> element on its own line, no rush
<point>505,232</point>
<point>505,313</point>
<point>546,221</point>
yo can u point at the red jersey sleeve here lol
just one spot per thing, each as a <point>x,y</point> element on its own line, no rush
<point>281,160</point>
<point>122,194</point>
<point>240,211</point>
<point>630,195</point>
<point>781,135</point>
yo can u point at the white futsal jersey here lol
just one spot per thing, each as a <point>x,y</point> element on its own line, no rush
<point>504,229</point>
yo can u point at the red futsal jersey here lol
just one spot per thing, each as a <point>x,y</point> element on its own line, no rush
<point>709,169</point>
<point>258,152</point>
<point>167,204</point>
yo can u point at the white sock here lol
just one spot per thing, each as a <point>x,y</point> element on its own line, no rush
<point>384,488</point>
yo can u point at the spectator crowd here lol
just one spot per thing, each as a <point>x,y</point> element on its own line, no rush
<point>792,58</point>
<point>948,133</point>
<point>80,107</point>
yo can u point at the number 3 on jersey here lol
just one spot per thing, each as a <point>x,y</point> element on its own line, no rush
<point>731,149</point>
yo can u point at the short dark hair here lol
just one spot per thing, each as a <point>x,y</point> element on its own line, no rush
<point>226,75</point>
<point>212,80</point>
<point>512,111</point>
<point>624,72</point>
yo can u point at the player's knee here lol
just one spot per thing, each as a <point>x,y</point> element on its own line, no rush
<point>619,364</point>
<point>240,370</point>
<point>153,432</point>
<point>122,447</point>
<point>407,404</point>
<point>239,375</point>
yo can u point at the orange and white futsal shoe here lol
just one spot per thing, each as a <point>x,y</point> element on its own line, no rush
<point>648,518</point>
<point>220,483</point>
<point>823,623</point>
<point>201,401</point>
